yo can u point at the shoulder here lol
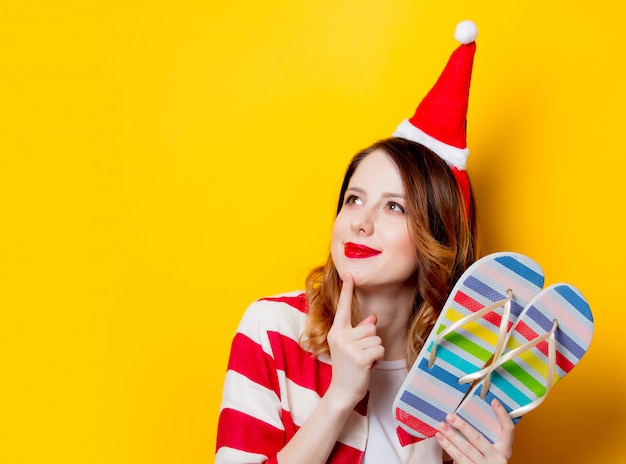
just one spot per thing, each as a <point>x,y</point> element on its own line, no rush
<point>285,313</point>
<point>294,300</point>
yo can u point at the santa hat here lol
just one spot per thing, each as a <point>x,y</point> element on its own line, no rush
<point>440,119</point>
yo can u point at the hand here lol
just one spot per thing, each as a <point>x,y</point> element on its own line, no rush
<point>475,448</point>
<point>353,350</point>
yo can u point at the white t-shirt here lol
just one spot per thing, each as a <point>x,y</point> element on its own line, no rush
<point>383,446</point>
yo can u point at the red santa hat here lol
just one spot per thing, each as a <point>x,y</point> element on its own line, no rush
<point>440,119</point>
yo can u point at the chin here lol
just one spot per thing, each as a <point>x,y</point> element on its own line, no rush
<point>364,282</point>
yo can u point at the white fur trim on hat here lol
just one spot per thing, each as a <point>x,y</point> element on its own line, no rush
<point>454,156</point>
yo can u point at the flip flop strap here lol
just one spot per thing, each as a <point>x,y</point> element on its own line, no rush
<point>550,379</point>
<point>504,325</point>
<point>487,371</point>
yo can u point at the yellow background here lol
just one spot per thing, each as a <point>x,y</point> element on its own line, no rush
<point>163,164</point>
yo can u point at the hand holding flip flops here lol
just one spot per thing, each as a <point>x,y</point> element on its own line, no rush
<point>499,336</point>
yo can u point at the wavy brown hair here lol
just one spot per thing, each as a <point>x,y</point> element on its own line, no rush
<point>444,233</point>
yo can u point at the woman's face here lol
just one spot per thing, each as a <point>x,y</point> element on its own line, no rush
<point>370,238</point>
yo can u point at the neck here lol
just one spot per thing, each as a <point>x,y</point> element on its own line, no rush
<point>392,309</point>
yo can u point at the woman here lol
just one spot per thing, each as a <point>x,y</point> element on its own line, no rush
<point>312,375</point>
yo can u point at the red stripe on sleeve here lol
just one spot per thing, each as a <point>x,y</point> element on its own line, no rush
<point>290,427</point>
<point>344,454</point>
<point>361,406</point>
<point>303,369</point>
<point>300,366</point>
<point>245,433</point>
<point>248,358</point>
<point>298,302</point>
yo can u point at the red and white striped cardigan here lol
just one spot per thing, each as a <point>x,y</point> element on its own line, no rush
<point>272,385</point>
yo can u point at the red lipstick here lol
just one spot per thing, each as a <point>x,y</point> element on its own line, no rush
<point>354,250</point>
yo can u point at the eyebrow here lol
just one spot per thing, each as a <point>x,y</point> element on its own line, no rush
<point>385,194</point>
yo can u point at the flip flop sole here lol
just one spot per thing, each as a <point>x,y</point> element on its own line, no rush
<point>523,379</point>
<point>429,394</point>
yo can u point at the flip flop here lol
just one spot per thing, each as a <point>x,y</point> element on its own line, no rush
<point>547,341</point>
<point>471,328</point>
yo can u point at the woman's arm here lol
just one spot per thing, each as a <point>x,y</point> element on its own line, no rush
<point>354,351</point>
<point>252,427</point>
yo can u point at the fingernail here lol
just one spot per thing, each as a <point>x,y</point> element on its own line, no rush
<point>439,437</point>
<point>444,427</point>
<point>451,418</point>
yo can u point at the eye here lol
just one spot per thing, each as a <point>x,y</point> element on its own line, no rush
<point>353,200</point>
<point>393,206</point>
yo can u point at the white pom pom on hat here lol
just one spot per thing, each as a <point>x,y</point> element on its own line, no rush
<point>466,32</point>
<point>439,121</point>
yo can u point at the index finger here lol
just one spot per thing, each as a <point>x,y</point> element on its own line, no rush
<point>507,427</point>
<point>343,313</point>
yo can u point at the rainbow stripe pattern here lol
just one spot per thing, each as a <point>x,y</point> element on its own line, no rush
<point>429,393</point>
<point>522,380</point>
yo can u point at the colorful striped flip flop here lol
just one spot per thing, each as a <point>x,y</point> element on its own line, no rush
<point>472,327</point>
<point>549,338</point>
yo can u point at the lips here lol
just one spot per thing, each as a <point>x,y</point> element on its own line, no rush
<point>354,250</point>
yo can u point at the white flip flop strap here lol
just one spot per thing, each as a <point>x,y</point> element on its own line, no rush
<point>550,377</point>
<point>504,324</point>
<point>502,337</point>
<point>487,371</point>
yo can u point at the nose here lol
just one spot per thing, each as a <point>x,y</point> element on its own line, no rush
<point>363,222</point>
